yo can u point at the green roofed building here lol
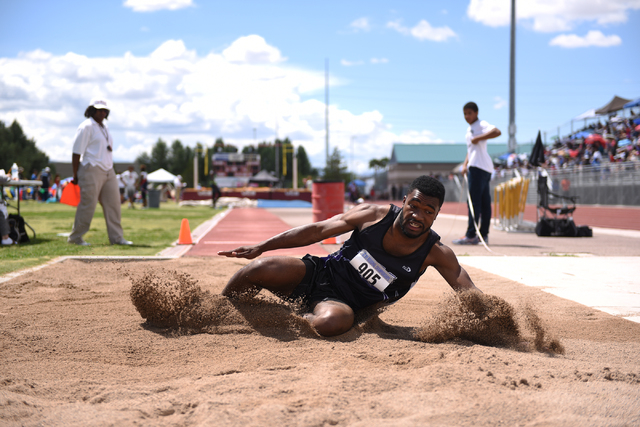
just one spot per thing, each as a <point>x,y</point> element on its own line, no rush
<point>411,160</point>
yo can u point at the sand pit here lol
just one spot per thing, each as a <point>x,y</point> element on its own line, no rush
<point>76,350</point>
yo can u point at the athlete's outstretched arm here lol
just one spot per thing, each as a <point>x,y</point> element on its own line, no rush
<point>310,233</point>
<point>446,262</point>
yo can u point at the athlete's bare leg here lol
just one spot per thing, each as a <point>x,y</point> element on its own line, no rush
<point>331,318</point>
<point>281,275</point>
<point>278,274</point>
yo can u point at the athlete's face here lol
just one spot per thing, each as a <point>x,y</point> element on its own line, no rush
<point>470,116</point>
<point>418,213</point>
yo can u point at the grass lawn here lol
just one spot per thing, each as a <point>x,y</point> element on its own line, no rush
<point>150,230</point>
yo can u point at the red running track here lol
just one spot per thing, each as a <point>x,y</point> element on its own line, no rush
<point>248,226</point>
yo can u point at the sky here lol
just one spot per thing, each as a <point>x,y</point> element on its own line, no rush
<point>253,70</point>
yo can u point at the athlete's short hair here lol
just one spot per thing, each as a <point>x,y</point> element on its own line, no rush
<point>470,106</point>
<point>429,186</point>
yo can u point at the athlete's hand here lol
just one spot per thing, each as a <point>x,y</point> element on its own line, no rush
<point>248,252</point>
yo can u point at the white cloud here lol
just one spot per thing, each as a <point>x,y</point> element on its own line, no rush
<point>423,31</point>
<point>593,38</point>
<point>361,24</point>
<point>379,60</point>
<point>252,49</point>
<point>499,103</point>
<point>154,5</point>
<point>347,63</point>
<point>552,15</point>
<point>173,93</point>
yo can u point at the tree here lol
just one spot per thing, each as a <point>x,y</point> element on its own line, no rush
<point>249,149</point>
<point>16,147</point>
<point>377,164</point>
<point>178,159</point>
<point>336,170</point>
<point>267,156</point>
<point>220,147</point>
<point>304,166</point>
<point>160,155</point>
<point>144,159</point>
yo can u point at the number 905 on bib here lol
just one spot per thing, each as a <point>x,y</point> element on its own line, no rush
<point>372,271</point>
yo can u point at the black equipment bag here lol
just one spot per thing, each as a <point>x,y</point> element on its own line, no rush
<point>17,232</point>
<point>561,227</point>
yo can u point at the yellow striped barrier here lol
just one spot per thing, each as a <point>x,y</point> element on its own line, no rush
<point>510,199</point>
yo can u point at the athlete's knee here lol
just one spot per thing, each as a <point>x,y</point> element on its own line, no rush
<point>245,281</point>
<point>333,322</point>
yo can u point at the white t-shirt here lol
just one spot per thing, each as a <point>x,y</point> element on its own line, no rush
<point>478,155</point>
<point>129,178</point>
<point>91,143</point>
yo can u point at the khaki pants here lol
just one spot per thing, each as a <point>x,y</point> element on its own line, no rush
<point>97,185</point>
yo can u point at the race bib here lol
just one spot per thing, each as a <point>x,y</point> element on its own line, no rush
<point>372,271</point>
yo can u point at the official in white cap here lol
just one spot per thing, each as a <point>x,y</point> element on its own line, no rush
<point>92,163</point>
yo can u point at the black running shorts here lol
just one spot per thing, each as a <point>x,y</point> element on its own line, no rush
<point>316,285</point>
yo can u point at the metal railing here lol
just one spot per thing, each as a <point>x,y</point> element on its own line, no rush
<point>605,184</point>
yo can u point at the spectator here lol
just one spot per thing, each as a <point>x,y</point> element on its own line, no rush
<point>45,177</point>
<point>177,184</point>
<point>130,179</point>
<point>92,164</point>
<point>120,186</point>
<point>57,188</point>
<point>215,190</point>
<point>479,166</point>
<point>142,183</point>
<point>34,190</point>
<point>4,224</point>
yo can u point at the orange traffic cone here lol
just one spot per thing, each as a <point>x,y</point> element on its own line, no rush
<point>185,233</point>
<point>336,240</point>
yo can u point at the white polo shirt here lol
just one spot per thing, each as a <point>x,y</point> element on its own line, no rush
<point>129,178</point>
<point>478,155</point>
<point>91,143</point>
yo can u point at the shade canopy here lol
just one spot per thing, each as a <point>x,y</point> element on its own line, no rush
<point>586,115</point>
<point>634,103</point>
<point>160,176</point>
<point>263,176</point>
<point>614,105</point>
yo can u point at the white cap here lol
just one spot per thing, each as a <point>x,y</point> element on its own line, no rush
<point>99,103</point>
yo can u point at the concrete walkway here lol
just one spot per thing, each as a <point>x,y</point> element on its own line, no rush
<point>608,284</point>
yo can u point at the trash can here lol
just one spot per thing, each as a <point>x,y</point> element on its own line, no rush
<point>327,199</point>
<point>154,198</point>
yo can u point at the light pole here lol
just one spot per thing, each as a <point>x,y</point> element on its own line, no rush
<point>512,82</point>
<point>353,170</point>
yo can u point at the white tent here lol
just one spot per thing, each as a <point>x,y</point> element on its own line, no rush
<point>586,115</point>
<point>160,176</point>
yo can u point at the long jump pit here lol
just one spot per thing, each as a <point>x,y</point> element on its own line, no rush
<point>120,342</point>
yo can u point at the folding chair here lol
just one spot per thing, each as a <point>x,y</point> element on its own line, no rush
<point>554,220</point>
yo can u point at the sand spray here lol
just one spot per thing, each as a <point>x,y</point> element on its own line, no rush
<point>174,300</point>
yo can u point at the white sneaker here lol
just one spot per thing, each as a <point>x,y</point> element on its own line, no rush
<point>79,242</point>
<point>7,241</point>
<point>123,242</point>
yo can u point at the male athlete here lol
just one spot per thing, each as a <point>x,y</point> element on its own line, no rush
<point>388,251</point>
